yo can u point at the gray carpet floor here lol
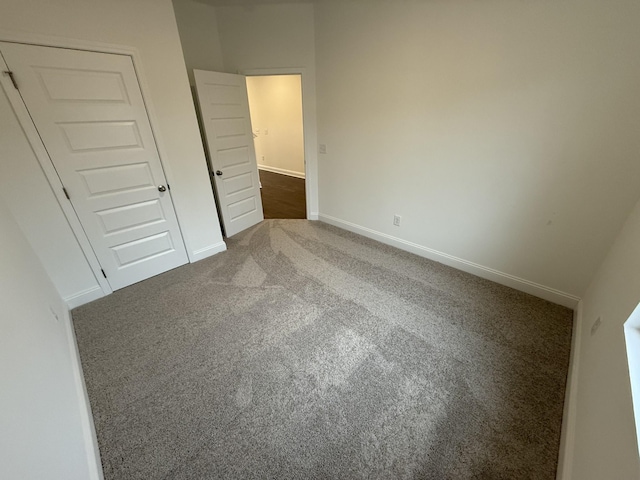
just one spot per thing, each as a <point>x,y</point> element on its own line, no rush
<point>308,352</point>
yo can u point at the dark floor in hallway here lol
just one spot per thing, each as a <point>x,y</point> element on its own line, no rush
<point>282,196</point>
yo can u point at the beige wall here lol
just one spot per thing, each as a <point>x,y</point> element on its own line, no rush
<point>275,102</point>
<point>148,26</point>
<point>198,27</point>
<point>504,133</point>
<point>267,36</point>
<point>605,438</point>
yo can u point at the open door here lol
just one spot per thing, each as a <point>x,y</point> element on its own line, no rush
<point>224,107</point>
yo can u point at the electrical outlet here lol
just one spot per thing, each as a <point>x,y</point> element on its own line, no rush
<point>322,148</point>
<point>596,326</point>
<point>396,220</point>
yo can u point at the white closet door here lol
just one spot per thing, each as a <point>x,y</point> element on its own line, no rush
<point>90,114</point>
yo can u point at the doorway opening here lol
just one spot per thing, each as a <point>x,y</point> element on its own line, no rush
<point>275,105</point>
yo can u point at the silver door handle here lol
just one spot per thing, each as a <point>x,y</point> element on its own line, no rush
<point>162,188</point>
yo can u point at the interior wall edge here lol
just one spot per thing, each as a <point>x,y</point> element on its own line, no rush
<point>541,291</point>
<point>568,432</point>
<point>86,416</point>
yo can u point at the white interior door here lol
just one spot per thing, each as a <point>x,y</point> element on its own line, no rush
<point>224,107</point>
<point>90,114</point>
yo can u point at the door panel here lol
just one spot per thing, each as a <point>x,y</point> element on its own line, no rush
<point>90,114</point>
<point>225,115</point>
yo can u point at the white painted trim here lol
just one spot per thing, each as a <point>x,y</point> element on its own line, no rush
<point>86,417</point>
<point>313,216</point>
<point>310,127</point>
<point>281,171</point>
<point>541,291</point>
<point>568,436</point>
<point>209,251</point>
<point>85,296</point>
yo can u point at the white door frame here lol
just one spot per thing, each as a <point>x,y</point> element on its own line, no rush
<point>309,129</point>
<point>40,151</point>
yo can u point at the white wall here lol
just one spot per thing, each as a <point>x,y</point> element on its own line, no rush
<point>272,37</point>
<point>504,133</point>
<point>275,102</point>
<point>148,26</point>
<point>198,27</point>
<point>40,411</point>
<point>605,438</point>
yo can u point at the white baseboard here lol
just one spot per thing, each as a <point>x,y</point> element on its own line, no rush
<point>86,416</point>
<point>282,171</point>
<point>568,437</point>
<point>313,216</point>
<point>86,296</point>
<point>208,251</point>
<point>541,291</point>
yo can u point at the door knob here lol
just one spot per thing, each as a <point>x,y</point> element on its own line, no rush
<point>162,188</point>
<point>218,172</point>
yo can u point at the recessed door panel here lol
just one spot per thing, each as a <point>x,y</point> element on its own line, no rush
<point>238,184</point>
<point>242,208</point>
<point>141,249</point>
<point>137,215</point>
<point>78,85</point>
<point>228,127</point>
<point>117,179</point>
<point>100,136</point>
<point>233,157</point>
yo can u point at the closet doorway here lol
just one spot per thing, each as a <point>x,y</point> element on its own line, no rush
<point>275,103</point>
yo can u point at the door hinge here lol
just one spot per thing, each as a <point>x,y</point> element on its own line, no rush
<point>13,79</point>
<point>103,274</point>
<point>66,194</point>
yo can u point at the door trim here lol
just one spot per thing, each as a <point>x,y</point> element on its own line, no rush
<point>309,128</point>
<point>45,161</point>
